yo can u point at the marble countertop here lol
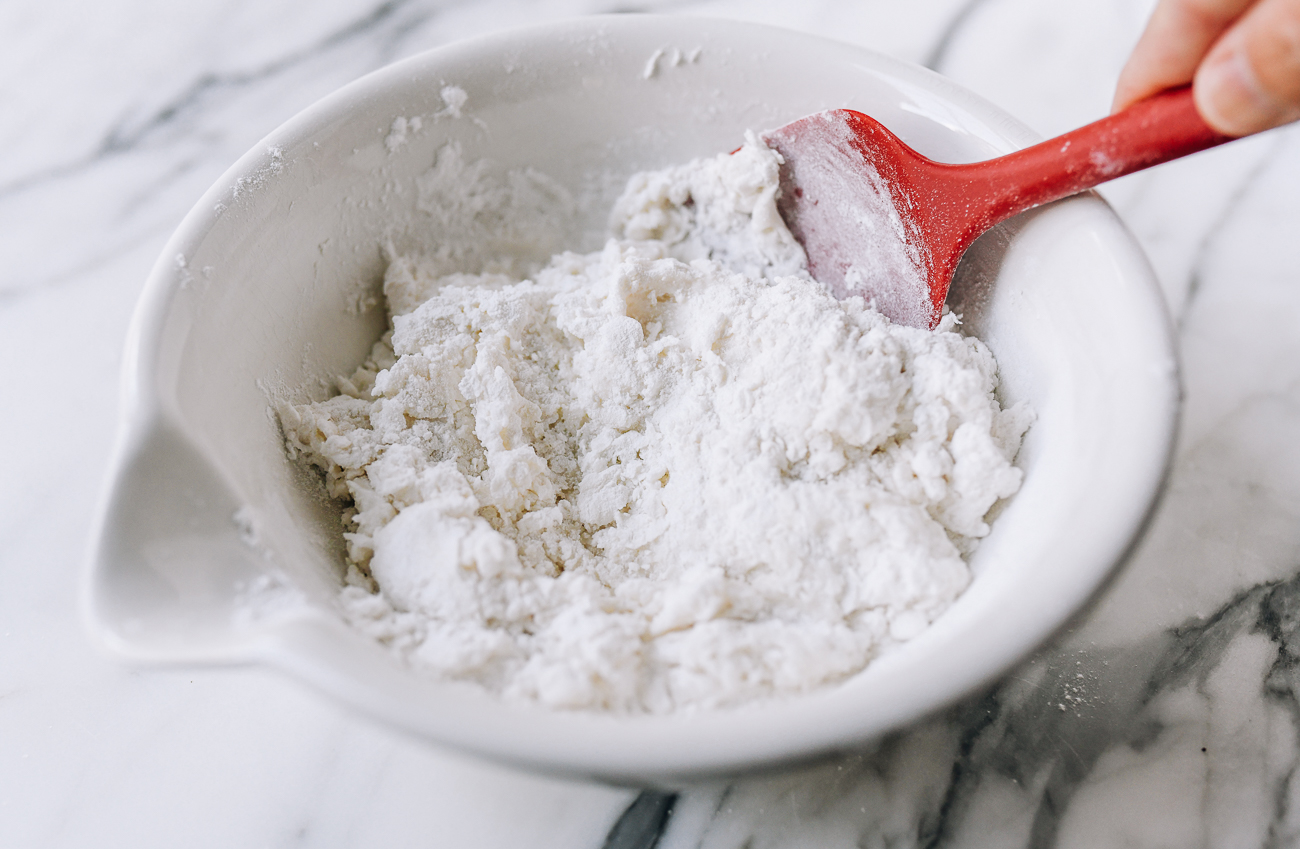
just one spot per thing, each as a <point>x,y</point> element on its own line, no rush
<point>1168,716</point>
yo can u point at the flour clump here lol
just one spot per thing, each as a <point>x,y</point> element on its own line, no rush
<point>672,474</point>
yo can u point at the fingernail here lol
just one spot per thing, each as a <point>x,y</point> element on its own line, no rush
<point>1230,97</point>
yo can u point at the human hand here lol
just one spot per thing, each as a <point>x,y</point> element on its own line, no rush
<point>1241,56</point>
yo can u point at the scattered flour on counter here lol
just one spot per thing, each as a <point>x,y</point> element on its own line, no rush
<point>672,474</point>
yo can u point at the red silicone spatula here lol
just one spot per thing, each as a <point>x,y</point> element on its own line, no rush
<point>878,219</point>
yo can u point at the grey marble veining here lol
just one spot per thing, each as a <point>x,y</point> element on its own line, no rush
<point>1168,715</point>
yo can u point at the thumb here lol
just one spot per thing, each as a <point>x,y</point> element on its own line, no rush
<point>1250,81</point>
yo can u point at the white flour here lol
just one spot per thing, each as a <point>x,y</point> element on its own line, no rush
<point>640,481</point>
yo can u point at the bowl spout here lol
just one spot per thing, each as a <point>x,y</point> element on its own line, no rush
<point>173,557</point>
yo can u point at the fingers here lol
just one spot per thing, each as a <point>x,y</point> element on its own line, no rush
<point>1176,39</point>
<point>1250,81</point>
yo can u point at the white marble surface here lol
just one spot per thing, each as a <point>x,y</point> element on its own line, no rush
<point>1167,717</point>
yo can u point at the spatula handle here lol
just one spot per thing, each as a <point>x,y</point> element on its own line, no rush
<point>1158,129</point>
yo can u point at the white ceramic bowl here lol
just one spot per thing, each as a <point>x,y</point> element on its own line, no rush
<point>254,298</point>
